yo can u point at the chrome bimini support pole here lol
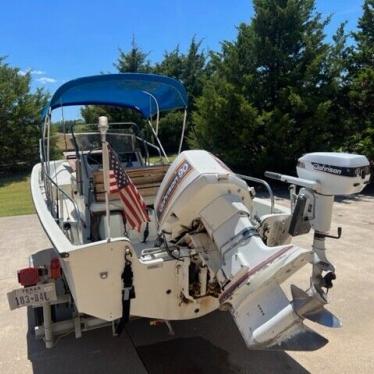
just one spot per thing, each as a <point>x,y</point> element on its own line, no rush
<point>155,131</point>
<point>157,109</point>
<point>103,128</point>
<point>45,149</point>
<point>158,140</point>
<point>183,129</point>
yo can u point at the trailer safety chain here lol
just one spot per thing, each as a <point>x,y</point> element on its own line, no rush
<point>128,293</point>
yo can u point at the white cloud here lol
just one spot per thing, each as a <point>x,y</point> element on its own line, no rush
<point>30,71</point>
<point>42,80</point>
<point>37,72</point>
<point>22,73</point>
<point>46,80</point>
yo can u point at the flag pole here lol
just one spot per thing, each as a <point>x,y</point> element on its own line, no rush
<point>103,128</point>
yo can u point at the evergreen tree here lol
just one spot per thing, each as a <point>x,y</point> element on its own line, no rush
<point>361,85</point>
<point>134,61</point>
<point>272,90</point>
<point>189,68</point>
<point>172,64</point>
<point>193,72</point>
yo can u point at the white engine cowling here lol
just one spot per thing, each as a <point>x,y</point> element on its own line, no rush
<point>193,181</point>
<point>337,173</point>
<point>198,186</point>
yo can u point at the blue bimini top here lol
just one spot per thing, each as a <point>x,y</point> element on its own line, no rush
<point>130,90</point>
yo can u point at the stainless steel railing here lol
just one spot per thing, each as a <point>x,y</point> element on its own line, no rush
<point>47,179</point>
<point>264,183</point>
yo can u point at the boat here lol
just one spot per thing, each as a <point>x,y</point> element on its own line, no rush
<point>206,242</point>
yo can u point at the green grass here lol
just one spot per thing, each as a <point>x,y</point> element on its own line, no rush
<point>15,195</point>
<point>156,159</point>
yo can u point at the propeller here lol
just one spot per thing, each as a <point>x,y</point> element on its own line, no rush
<point>309,307</point>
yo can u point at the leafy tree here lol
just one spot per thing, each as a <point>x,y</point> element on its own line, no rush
<point>19,119</point>
<point>272,90</point>
<point>61,126</point>
<point>91,113</point>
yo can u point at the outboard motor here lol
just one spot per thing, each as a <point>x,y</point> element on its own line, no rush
<point>204,205</point>
<point>193,181</point>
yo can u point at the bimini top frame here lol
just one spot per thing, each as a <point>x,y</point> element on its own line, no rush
<point>146,93</point>
<point>149,94</point>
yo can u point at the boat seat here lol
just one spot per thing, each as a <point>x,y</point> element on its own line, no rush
<point>146,179</point>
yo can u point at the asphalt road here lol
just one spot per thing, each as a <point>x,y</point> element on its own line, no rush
<point>210,344</point>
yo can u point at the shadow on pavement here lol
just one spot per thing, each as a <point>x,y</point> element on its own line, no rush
<point>198,355</point>
<point>186,355</point>
<point>210,344</point>
<point>96,352</point>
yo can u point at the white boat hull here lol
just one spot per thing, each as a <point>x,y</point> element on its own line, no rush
<point>93,273</point>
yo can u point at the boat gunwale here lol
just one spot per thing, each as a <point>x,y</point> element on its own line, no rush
<point>54,233</point>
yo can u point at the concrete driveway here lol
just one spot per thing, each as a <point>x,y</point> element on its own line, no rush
<point>210,344</point>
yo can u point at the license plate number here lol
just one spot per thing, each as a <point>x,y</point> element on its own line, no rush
<point>34,295</point>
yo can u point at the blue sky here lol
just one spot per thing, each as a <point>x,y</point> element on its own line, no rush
<point>62,40</point>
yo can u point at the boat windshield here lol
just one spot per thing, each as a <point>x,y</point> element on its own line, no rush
<point>121,137</point>
<point>121,143</point>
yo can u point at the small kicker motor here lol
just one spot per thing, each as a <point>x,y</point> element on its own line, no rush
<point>323,175</point>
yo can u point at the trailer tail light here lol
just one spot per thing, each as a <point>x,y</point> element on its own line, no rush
<point>28,276</point>
<point>55,268</point>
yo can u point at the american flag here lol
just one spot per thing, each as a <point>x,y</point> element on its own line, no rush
<point>135,210</point>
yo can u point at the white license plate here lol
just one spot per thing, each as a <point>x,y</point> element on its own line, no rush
<point>34,295</point>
